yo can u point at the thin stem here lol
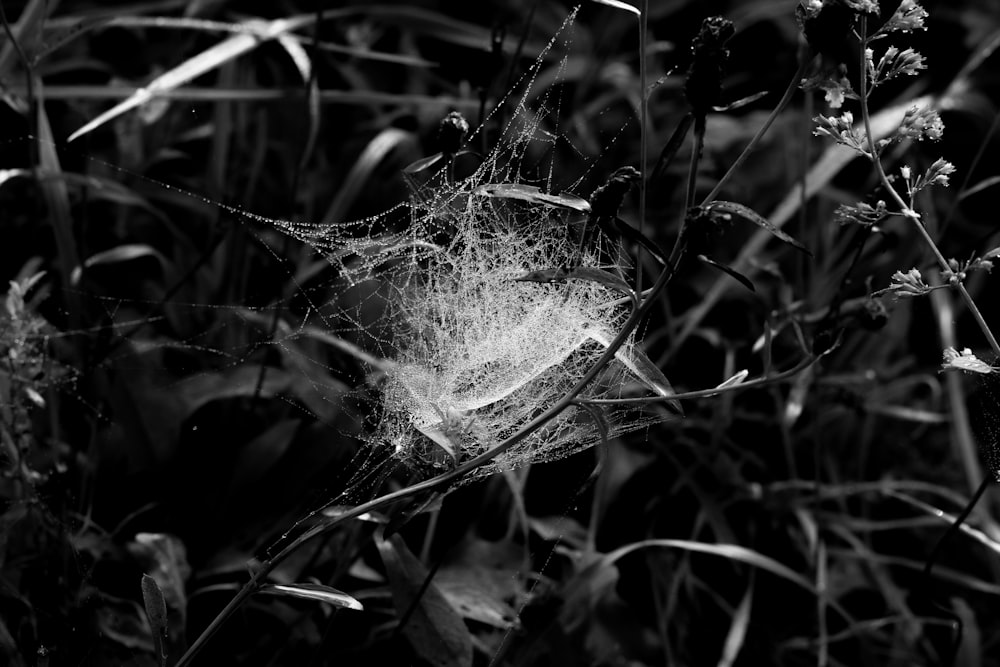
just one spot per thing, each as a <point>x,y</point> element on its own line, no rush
<point>643,130</point>
<point>785,99</point>
<point>699,144</point>
<point>873,155</point>
<point>715,391</point>
<point>441,481</point>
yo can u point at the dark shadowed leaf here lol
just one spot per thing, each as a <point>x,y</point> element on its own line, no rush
<point>315,592</point>
<point>670,149</point>
<point>635,236</point>
<point>122,253</point>
<point>561,275</point>
<point>483,579</point>
<point>756,218</point>
<point>533,195</point>
<point>164,558</point>
<point>424,163</point>
<point>407,509</point>
<point>156,612</point>
<point>742,102</point>
<point>434,629</point>
<point>729,271</point>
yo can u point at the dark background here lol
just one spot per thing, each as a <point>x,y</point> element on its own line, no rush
<point>151,388</point>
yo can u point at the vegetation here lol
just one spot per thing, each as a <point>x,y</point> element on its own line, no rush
<point>514,334</point>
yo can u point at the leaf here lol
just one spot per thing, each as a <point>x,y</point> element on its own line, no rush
<point>561,275</point>
<point>440,438</point>
<point>533,195</point>
<point>361,172</point>
<point>643,368</point>
<point>480,580</point>
<point>742,102</point>
<point>729,271</point>
<point>617,4</point>
<point>978,187</point>
<point>635,236</point>
<point>670,149</point>
<point>434,629</point>
<point>756,218</point>
<point>122,253</point>
<point>557,275</point>
<point>424,163</point>
<point>737,629</point>
<point>316,592</point>
<point>156,612</point>
<point>164,558</point>
<point>822,172</point>
<point>732,552</point>
<point>405,510</point>
<point>256,33</point>
<point>600,276</point>
<point>735,380</point>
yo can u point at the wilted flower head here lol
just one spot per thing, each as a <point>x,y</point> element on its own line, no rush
<point>452,132</point>
<point>703,87</point>
<point>834,84</point>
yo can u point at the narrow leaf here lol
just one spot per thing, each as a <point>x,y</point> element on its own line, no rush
<point>756,218</point>
<point>314,592</point>
<point>732,552</point>
<point>423,163</point>
<point>561,275</point>
<point>440,438</point>
<point>735,380</point>
<point>617,4</point>
<point>361,172</point>
<point>635,236</point>
<point>557,275</point>
<point>742,102</point>
<point>600,276</point>
<point>644,370</point>
<point>533,195</point>
<point>434,629</point>
<point>737,629</point>
<point>255,35</point>
<point>729,271</point>
<point>156,612</point>
<point>670,149</point>
<point>122,253</point>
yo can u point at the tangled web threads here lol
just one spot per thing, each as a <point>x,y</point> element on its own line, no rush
<point>479,354</point>
<point>474,353</point>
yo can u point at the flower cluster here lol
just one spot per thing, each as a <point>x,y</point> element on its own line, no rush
<point>893,63</point>
<point>936,174</point>
<point>908,17</point>
<point>921,123</point>
<point>861,213</point>
<point>842,130</point>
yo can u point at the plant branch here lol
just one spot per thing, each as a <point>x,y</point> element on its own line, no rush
<point>908,212</point>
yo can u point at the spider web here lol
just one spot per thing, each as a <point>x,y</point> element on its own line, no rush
<point>457,352</point>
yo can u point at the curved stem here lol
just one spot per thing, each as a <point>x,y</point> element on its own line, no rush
<point>441,481</point>
<point>873,155</point>
<point>785,99</point>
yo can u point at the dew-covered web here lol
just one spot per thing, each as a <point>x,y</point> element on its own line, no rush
<point>470,354</point>
<point>458,353</point>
